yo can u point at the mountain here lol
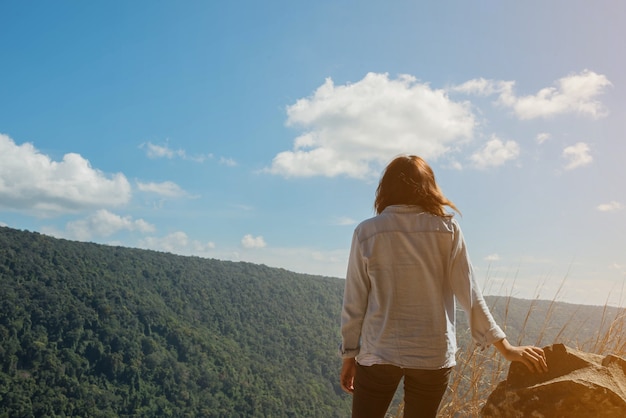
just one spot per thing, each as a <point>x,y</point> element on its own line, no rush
<point>103,331</point>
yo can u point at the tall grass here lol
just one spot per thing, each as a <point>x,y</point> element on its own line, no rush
<point>477,372</point>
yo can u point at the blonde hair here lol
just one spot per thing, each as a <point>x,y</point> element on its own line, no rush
<point>409,180</point>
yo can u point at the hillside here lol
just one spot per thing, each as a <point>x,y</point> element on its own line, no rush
<point>102,331</point>
<point>93,330</point>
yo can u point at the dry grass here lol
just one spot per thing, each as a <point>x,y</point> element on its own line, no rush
<point>478,372</point>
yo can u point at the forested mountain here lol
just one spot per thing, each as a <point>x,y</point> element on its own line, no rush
<point>94,330</point>
<point>103,331</point>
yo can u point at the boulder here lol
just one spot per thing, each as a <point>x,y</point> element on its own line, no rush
<point>577,384</point>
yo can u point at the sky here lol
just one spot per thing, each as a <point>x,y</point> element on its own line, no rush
<point>257,131</point>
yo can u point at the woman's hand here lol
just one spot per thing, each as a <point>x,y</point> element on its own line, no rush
<point>348,370</point>
<point>533,357</point>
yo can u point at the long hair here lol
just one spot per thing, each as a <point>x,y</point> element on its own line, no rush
<point>409,180</point>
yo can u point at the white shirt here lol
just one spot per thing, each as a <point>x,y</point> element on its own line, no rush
<point>406,269</point>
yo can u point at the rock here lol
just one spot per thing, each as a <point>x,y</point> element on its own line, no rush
<point>577,385</point>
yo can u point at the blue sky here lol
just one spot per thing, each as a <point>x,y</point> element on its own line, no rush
<point>256,131</point>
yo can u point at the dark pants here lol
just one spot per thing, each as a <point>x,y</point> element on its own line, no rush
<point>374,387</point>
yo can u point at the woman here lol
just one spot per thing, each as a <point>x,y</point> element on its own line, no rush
<point>407,266</point>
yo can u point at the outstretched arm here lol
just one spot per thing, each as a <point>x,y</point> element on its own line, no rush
<point>533,357</point>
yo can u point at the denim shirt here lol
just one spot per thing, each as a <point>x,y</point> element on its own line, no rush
<point>407,269</point>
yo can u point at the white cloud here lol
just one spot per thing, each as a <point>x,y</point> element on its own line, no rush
<point>331,263</point>
<point>164,151</point>
<point>354,129</point>
<point>228,162</point>
<point>495,153</point>
<point>577,156</point>
<point>543,137</point>
<point>302,260</point>
<point>176,243</point>
<point>102,223</point>
<point>31,181</point>
<point>3,224</point>
<point>161,151</point>
<point>344,221</point>
<point>575,93</point>
<point>241,206</point>
<point>454,165</point>
<point>492,257</point>
<point>483,87</point>
<point>166,188</point>
<point>612,206</point>
<point>249,241</point>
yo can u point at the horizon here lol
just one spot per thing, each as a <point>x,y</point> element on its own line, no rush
<point>502,295</point>
<point>257,132</point>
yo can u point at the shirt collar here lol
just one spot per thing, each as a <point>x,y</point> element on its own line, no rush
<point>403,209</point>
